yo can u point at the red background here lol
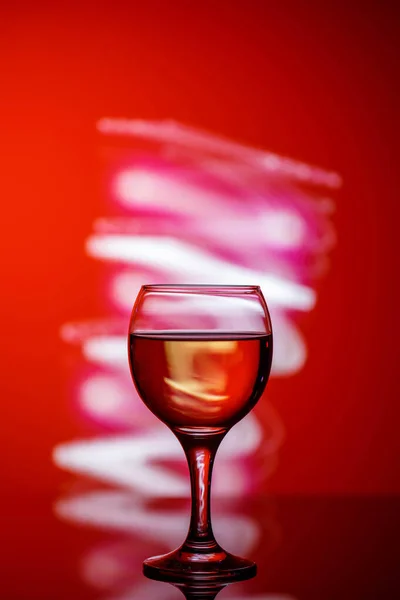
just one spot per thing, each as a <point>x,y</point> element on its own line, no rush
<point>310,80</point>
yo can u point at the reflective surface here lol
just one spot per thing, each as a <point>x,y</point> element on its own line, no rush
<point>306,548</point>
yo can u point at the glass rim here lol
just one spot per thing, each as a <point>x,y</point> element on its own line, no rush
<point>182,287</point>
<point>180,290</point>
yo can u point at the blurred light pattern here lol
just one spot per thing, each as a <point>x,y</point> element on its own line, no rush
<point>180,261</point>
<point>169,131</point>
<point>184,206</point>
<point>187,206</point>
<point>131,460</point>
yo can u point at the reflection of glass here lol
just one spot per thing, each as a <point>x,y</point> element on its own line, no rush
<point>191,591</point>
<point>130,526</point>
<point>200,358</point>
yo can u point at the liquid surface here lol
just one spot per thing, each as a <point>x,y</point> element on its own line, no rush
<point>198,379</point>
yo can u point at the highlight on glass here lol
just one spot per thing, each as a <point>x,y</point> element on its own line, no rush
<point>200,358</point>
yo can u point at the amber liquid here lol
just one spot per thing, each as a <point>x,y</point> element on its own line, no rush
<point>200,380</point>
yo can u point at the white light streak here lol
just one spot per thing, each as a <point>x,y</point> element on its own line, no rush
<point>131,461</point>
<point>106,350</point>
<point>190,264</point>
<point>169,131</point>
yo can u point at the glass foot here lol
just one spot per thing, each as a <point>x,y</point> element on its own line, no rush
<point>216,567</point>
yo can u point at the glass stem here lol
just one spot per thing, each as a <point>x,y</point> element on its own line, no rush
<point>200,450</point>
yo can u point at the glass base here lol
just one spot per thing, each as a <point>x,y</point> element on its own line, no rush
<point>181,566</point>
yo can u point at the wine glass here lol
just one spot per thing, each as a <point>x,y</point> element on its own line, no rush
<point>200,357</point>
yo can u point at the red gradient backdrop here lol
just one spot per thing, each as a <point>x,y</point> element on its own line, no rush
<point>312,81</point>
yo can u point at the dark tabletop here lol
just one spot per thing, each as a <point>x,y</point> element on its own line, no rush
<point>91,543</point>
